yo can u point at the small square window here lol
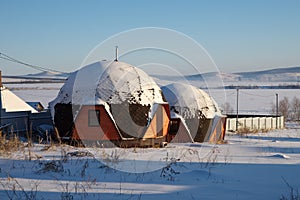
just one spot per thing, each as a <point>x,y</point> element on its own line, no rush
<point>174,126</point>
<point>94,117</point>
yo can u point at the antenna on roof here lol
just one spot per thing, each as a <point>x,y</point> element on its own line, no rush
<point>116,59</point>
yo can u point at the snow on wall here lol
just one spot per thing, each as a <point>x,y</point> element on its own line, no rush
<point>189,100</point>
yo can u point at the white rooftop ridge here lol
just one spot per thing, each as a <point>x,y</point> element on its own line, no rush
<point>12,103</point>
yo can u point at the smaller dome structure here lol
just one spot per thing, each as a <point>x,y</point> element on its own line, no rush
<point>194,113</point>
<point>189,101</point>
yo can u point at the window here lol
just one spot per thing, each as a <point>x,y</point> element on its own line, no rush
<point>174,126</point>
<point>94,117</point>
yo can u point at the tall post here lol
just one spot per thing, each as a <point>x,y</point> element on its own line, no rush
<point>237,109</point>
<point>1,87</point>
<point>116,59</point>
<point>276,111</point>
<point>1,79</point>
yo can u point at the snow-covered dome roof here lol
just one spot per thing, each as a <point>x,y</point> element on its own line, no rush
<point>188,100</point>
<point>109,82</point>
<point>121,82</point>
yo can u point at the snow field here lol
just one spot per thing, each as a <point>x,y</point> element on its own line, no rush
<point>253,166</point>
<point>247,167</point>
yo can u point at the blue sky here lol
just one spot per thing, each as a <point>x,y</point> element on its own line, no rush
<point>239,35</point>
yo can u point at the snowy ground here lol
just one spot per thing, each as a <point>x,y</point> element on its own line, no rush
<point>256,166</point>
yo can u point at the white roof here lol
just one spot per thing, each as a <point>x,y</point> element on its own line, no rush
<point>12,103</point>
<point>189,100</point>
<point>110,81</point>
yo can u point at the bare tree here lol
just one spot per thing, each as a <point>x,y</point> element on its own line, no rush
<point>284,107</point>
<point>295,104</point>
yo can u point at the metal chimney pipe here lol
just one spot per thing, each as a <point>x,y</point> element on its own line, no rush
<point>116,59</point>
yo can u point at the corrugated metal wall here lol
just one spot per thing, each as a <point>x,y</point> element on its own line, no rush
<point>22,122</point>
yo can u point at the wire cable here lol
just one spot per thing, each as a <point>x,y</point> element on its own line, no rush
<point>264,96</point>
<point>11,59</point>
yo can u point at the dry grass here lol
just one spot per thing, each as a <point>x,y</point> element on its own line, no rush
<point>247,130</point>
<point>9,144</point>
<point>55,166</point>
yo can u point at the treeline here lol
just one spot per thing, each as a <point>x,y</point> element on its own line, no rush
<point>289,108</point>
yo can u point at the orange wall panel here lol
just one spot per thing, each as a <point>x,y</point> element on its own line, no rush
<point>106,130</point>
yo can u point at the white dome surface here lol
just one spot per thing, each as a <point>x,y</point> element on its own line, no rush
<point>189,100</point>
<point>109,82</point>
<point>121,82</point>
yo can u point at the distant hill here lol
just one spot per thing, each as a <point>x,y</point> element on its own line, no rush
<point>42,77</point>
<point>279,75</point>
<point>291,74</point>
<point>47,74</point>
<point>274,78</point>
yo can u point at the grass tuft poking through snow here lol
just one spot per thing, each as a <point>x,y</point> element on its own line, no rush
<point>9,144</point>
<point>293,193</point>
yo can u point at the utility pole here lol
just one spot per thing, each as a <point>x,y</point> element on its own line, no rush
<point>276,111</point>
<point>1,88</point>
<point>237,109</point>
<point>1,79</point>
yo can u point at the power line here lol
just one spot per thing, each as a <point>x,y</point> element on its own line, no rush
<point>11,59</point>
<point>264,96</point>
<point>230,94</point>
